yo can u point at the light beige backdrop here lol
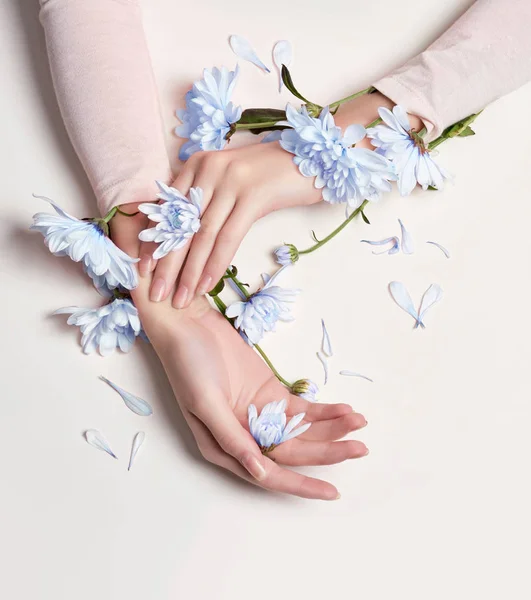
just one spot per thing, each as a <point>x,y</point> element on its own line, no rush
<point>440,507</point>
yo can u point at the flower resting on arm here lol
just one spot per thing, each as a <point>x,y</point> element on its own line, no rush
<point>115,325</point>
<point>260,312</point>
<point>209,113</point>
<point>345,174</point>
<point>87,242</point>
<point>177,218</point>
<point>269,429</point>
<point>395,140</point>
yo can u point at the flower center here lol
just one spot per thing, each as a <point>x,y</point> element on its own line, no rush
<point>174,217</point>
<point>418,141</point>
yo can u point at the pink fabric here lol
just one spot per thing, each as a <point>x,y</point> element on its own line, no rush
<point>483,56</point>
<point>106,92</point>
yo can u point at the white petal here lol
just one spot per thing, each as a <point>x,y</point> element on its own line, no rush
<point>326,345</point>
<point>137,442</point>
<point>137,405</point>
<point>441,248</point>
<point>392,240</point>
<point>96,439</point>
<point>354,374</point>
<point>408,247</point>
<point>296,432</point>
<point>282,55</point>
<point>324,362</point>
<point>402,298</point>
<point>431,296</point>
<point>243,49</point>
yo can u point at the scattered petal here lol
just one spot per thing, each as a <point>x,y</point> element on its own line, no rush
<point>137,442</point>
<point>96,439</point>
<point>408,247</point>
<point>326,345</point>
<point>431,296</point>
<point>282,55</point>
<point>134,403</point>
<point>324,362</point>
<point>391,240</point>
<point>354,374</point>
<point>243,49</point>
<point>441,248</point>
<point>402,298</point>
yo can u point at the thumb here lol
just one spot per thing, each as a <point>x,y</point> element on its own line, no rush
<point>234,439</point>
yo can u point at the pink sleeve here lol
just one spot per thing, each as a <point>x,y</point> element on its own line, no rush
<point>483,56</point>
<point>106,92</point>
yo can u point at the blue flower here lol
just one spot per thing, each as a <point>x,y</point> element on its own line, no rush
<point>270,428</point>
<point>260,313</point>
<point>322,150</point>
<point>286,255</point>
<point>86,242</point>
<point>306,389</point>
<point>209,113</point>
<point>406,149</point>
<point>115,325</point>
<point>177,218</point>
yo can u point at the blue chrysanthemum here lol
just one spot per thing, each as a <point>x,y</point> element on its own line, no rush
<point>395,140</point>
<point>345,174</point>
<point>209,113</point>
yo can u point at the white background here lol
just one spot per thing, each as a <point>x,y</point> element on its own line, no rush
<point>440,507</point>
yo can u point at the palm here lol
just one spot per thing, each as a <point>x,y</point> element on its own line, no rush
<point>216,376</point>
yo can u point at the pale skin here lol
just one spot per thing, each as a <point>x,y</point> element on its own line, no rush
<point>240,185</point>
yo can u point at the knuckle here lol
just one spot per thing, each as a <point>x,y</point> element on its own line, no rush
<point>237,171</point>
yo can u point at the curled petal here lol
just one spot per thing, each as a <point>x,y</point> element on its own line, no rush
<point>441,248</point>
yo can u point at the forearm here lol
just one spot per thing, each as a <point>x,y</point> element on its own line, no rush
<point>483,56</point>
<point>106,92</point>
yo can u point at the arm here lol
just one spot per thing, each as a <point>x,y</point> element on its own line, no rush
<point>483,56</point>
<point>106,92</point>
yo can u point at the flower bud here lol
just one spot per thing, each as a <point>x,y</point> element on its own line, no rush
<point>306,389</point>
<point>286,254</point>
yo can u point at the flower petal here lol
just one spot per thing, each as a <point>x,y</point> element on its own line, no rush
<point>408,247</point>
<point>137,442</point>
<point>431,296</point>
<point>326,345</point>
<point>243,49</point>
<point>441,248</point>
<point>324,362</point>
<point>401,296</point>
<point>97,440</point>
<point>282,55</point>
<point>354,374</point>
<point>134,403</point>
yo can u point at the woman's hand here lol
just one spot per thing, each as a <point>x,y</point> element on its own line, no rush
<point>215,376</point>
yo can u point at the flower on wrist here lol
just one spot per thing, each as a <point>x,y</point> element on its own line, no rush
<point>269,429</point>
<point>87,241</point>
<point>177,218</point>
<point>346,174</point>
<point>115,325</point>
<point>209,113</point>
<point>260,312</point>
<point>407,150</point>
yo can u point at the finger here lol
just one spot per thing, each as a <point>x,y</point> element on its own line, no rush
<point>300,453</point>
<point>147,263</point>
<point>226,245</point>
<point>204,241</point>
<point>184,180</point>
<point>166,273</point>
<point>278,479</point>
<point>334,429</point>
<point>232,438</point>
<point>316,411</point>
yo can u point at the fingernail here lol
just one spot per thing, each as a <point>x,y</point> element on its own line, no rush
<point>145,265</point>
<point>157,290</point>
<point>180,296</point>
<point>254,467</point>
<point>338,496</point>
<point>366,452</point>
<point>204,285</point>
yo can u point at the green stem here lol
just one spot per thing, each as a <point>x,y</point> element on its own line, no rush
<point>222,307</point>
<point>376,121</point>
<point>270,365</point>
<point>121,212</point>
<point>237,283</point>
<point>351,97</point>
<point>336,230</point>
<point>110,214</point>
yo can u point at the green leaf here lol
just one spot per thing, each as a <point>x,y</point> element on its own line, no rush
<point>261,115</point>
<point>430,187</point>
<point>467,131</point>
<point>219,287</point>
<point>264,129</point>
<point>364,217</point>
<point>232,272</point>
<point>288,82</point>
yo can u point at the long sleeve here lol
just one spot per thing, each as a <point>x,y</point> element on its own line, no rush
<point>107,95</point>
<point>483,56</point>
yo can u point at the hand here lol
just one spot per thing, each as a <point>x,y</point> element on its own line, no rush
<point>215,376</point>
